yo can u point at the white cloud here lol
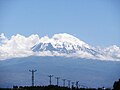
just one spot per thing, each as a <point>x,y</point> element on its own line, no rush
<point>20,46</point>
<point>112,51</point>
<point>17,46</point>
<point>3,39</point>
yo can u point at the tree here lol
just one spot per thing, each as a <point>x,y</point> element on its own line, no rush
<point>116,85</point>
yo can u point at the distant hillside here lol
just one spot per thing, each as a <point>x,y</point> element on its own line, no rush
<point>90,73</point>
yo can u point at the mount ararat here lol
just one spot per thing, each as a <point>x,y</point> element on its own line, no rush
<point>62,44</point>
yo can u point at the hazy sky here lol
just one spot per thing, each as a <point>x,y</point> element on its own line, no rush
<point>96,22</point>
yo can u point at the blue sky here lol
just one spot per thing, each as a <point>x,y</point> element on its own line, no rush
<point>96,22</point>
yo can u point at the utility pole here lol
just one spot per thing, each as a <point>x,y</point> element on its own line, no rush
<point>50,76</point>
<point>77,84</point>
<point>57,78</point>
<point>73,84</point>
<point>32,71</point>
<point>68,83</point>
<point>64,82</point>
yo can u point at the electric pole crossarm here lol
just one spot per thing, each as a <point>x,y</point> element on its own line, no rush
<point>64,82</point>
<point>77,84</point>
<point>69,83</point>
<point>57,78</point>
<point>32,71</point>
<point>50,76</point>
<point>73,84</point>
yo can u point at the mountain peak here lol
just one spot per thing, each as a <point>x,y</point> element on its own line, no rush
<point>67,38</point>
<point>63,38</point>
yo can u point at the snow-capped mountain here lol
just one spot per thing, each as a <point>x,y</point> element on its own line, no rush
<point>59,45</point>
<point>64,45</point>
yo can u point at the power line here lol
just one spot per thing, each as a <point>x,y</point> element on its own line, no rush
<point>32,71</point>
